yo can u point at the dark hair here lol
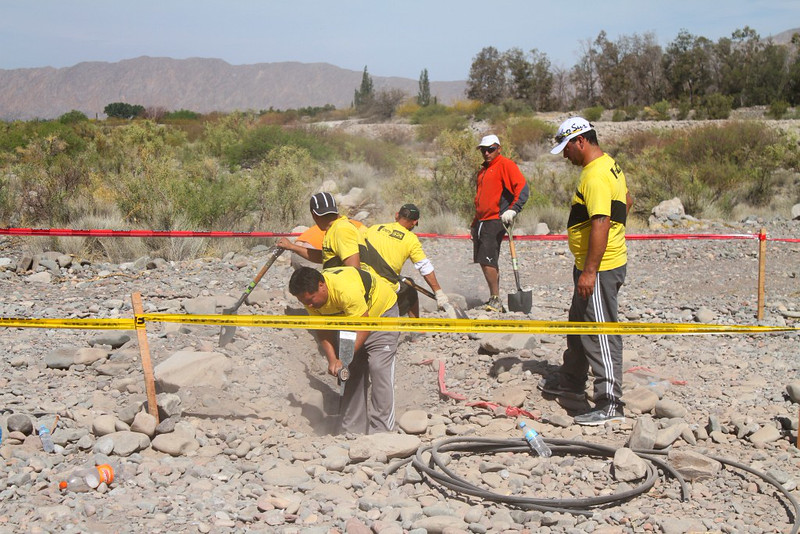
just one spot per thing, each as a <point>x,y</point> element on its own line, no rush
<point>305,280</point>
<point>590,136</point>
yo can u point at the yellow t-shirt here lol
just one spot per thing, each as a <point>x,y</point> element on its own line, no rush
<point>395,243</point>
<point>602,191</point>
<point>346,294</point>
<point>341,241</point>
<point>314,235</point>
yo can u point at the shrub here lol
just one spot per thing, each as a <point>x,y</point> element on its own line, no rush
<point>684,107</point>
<point>258,142</point>
<point>657,112</point>
<point>711,167</point>
<point>618,116</point>
<point>182,114</point>
<point>716,106</point>
<point>631,112</point>
<point>71,117</point>
<point>434,120</point>
<point>593,113</point>
<point>662,110</point>
<point>777,109</point>
<point>453,180</point>
<point>526,134</point>
<point>282,183</point>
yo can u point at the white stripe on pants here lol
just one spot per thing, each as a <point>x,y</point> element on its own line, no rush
<point>373,364</point>
<point>603,353</point>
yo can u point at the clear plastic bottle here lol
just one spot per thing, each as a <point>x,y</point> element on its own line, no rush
<point>535,440</point>
<point>47,439</point>
<point>88,478</point>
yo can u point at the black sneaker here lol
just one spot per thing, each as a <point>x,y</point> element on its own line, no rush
<point>552,386</point>
<point>495,304</point>
<point>600,417</point>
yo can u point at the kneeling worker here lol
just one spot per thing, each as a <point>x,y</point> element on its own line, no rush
<point>350,292</point>
<point>395,243</point>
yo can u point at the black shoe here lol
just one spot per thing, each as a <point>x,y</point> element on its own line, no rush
<point>552,386</point>
<point>601,416</point>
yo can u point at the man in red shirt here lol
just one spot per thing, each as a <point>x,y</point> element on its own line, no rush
<point>501,193</point>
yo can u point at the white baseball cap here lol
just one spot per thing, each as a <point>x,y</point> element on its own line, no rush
<point>489,140</point>
<point>572,127</point>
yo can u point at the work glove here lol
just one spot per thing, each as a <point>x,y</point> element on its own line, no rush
<point>508,217</point>
<point>441,299</point>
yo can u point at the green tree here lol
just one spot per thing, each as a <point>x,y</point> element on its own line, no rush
<point>584,77</point>
<point>424,94</point>
<point>364,95</point>
<point>687,66</point>
<point>121,110</point>
<point>487,77</point>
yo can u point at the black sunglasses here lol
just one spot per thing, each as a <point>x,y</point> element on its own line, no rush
<point>488,149</point>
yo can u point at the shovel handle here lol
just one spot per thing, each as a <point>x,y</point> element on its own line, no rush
<point>514,264</point>
<point>273,256</point>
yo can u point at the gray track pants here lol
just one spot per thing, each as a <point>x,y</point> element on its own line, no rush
<point>602,352</point>
<point>374,364</point>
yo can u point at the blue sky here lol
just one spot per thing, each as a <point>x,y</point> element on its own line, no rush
<point>391,38</point>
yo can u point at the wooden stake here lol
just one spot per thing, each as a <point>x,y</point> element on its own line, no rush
<point>762,262</point>
<point>144,351</point>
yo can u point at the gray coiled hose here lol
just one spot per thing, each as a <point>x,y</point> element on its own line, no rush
<point>436,469</point>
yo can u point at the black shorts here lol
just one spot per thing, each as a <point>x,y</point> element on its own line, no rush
<point>486,239</point>
<point>406,297</point>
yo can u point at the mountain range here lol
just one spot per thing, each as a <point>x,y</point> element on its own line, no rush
<point>197,84</point>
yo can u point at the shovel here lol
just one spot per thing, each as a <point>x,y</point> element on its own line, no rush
<point>521,301</point>
<point>227,332</point>
<point>459,313</point>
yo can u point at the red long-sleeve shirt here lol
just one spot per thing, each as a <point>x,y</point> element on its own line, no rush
<point>501,186</point>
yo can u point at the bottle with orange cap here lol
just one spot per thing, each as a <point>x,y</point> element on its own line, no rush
<point>89,478</point>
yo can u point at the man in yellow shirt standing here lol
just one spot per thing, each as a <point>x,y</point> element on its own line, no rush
<point>350,292</point>
<point>395,243</point>
<point>596,232</point>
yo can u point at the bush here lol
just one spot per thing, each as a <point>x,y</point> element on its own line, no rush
<point>716,106</point>
<point>259,141</point>
<point>631,112</point>
<point>662,110</point>
<point>526,134</point>
<point>282,183</point>
<point>777,109</point>
<point>453,182</point>
<point>684,107</point>
<point>618,116</point>
<point>593,113</point>
<point>71,117</point>
<point>182,114</point>
<point>711,167</point>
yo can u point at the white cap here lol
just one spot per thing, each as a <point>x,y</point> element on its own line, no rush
<point>572,127</point>
<point>489,140</point>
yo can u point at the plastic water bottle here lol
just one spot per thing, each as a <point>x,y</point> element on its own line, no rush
<point>535,440</point>
<point>88,479</point>
<point>47,439</point>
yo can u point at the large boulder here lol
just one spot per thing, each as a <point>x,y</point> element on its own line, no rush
<point>188,368</point>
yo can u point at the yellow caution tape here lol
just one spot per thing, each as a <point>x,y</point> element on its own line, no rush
<point>403,324</point>
<point>80,324</point>
<point>399,324</point>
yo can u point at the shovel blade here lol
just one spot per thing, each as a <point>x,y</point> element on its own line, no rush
<point>521,301</point>
<point>227,332</point>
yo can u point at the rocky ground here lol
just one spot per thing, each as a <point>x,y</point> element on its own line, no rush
<point>247,436</point>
